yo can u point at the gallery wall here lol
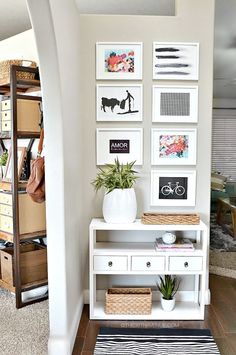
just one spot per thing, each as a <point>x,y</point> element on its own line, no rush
<point>184,27</point>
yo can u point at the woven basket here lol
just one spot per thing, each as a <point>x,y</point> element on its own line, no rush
<point>128,301</point>
<point>6,65</point>
<point>170,218</point>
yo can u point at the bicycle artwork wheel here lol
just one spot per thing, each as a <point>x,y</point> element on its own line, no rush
<point>180,190</point>
<point>166,190</point>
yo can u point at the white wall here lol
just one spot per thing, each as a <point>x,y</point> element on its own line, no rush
<point>193,23</point>
<point>56,27</point>
<point>21,46</point>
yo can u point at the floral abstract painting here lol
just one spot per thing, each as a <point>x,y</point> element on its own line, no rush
<point>119,60</point>
<point>173,146</point>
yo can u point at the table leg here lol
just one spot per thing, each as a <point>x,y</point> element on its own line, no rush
<point>233,215</point>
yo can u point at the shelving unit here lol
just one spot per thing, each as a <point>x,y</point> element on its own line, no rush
<point>14,89</point>
<point>124,252</point>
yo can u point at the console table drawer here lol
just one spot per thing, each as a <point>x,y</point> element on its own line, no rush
<point>182,263</point>
<point>110,263</point>
<point>147,263</point>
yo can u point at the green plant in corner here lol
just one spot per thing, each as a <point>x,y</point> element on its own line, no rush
<point>3,158</point>
<point>115,176</point>
<point>168,286</point>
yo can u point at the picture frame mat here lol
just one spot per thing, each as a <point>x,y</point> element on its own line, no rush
<point>114,92</point>
<point>155,146</point>
<point>105,135</point>
<point>191,190</point>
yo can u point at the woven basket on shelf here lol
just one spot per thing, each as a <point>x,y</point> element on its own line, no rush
<point>5,66</point>
<point>170,218</point>
<point>128,301</point>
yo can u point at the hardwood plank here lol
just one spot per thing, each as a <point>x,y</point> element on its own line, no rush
<point>224,346</point>
<point>78,346</point>
<point>219,318</point>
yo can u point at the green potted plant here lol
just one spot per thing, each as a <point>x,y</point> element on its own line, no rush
<point>3,162</point>
<point>168,286</point>
<point>119,203</point>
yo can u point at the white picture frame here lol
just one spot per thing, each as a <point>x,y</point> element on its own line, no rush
<point>174,104</point>
<point>119,60</point>
<point>119,102</point>
<point>173,146</point>
<point>126,144</point>
<point>173,188</point>
<point>175,61</point>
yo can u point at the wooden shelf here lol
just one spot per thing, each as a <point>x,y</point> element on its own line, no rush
<point>25,135</point>
<point>7,186</point>
<point>26,287</point>
<point>22,86</point>
<point>23,237</point>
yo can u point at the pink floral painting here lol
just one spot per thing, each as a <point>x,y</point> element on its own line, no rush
<point>119,60</point>
<point>173,146</point>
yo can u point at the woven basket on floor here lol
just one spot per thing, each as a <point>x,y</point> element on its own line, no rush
<point>128,301</point>
<point>5,69</point>
<point>170,218</point>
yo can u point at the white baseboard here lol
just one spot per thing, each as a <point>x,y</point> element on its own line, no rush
<point>63,345</point>
<point>180,296</point>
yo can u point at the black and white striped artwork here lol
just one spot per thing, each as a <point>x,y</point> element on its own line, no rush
<point>175,61</point>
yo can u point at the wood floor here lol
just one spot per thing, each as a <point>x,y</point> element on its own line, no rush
<point>220,319</point>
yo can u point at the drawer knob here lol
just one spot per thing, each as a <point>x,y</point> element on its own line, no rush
<point>186,264</point>
<point>148,264</point>
<point>110,263</point>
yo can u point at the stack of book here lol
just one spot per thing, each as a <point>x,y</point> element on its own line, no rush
<point>182,244</point>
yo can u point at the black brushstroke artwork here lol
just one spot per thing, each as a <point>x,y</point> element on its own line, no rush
<point>128,101</point>
<point>172,65</point>
<point>172,73</point>
<point>168,57</point>
<point>173,61</point>
<point>167,49</point>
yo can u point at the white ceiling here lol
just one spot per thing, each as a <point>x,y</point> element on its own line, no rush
<point>14,19</point>
<point>127,7</point>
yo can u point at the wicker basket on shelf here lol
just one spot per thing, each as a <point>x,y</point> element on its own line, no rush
<point>128,301</point>
<point>5,66</point>
<point>170,218</point>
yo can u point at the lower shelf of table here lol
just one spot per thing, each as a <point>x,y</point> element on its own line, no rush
<point>182,311</point>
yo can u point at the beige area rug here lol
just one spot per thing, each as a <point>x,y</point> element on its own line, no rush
<point>23,331</point>
<point>223,263</point>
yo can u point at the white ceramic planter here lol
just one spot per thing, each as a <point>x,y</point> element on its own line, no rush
<point>120,206</point>
<point>168,305</point>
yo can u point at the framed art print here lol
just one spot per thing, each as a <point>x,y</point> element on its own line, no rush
<point>126,144</point>
<point>119,103</point>
<point>175,104</point>
<point>173,146</point>
<point>173,188</point>
<point>119,60</point>
<point>175,61</point>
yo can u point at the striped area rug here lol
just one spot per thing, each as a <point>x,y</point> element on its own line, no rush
<point>121,341</point>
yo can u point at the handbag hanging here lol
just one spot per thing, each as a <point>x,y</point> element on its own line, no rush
<point>36,183</point>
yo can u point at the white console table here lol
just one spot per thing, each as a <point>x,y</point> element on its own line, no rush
<point>129,257</point>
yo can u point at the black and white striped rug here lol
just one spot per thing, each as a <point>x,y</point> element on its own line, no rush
<point>121,341</point>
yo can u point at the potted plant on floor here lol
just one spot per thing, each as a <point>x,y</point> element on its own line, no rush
<point>168,286</point>
<point>119,203</point>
